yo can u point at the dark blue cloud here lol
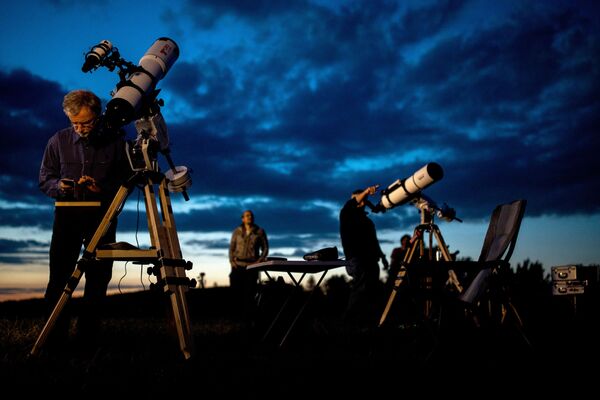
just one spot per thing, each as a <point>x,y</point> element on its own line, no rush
<point>30,112</point>
<point>207,13</point>
<point>27,217</point>
<point>422,22</point>
<point>10,246</point>
<point>318,101</point>
<point>21,251</point>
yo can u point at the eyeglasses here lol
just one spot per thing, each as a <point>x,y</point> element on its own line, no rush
<point>84,124</point>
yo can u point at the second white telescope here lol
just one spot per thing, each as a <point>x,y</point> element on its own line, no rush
<point>404,190</point>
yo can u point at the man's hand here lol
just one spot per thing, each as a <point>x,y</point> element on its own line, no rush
<point>361,197</point>
<point>66,186</point>
<point>385,263</point>
<point>371,190</point>
<point>89,183</point>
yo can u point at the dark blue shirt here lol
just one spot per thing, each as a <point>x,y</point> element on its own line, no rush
<point>358,234</point>
<point>68,155</point>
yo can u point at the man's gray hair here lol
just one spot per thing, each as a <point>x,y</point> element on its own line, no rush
<point>76,99</point>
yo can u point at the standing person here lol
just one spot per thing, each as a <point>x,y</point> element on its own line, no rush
<point>396,259</point>
<point>81,162</point>
<point>361,248</point>
<point>249,244</point>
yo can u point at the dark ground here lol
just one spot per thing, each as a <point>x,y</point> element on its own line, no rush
<point>138,354</point>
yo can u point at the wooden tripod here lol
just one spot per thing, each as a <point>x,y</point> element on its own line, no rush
<point>164,253</point>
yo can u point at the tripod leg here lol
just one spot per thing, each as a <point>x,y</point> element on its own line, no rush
<point>163,236</point>
<point>111,213</point>
<point>182,322</point>
<point>397,283</point>
<point>441,243</point>
<point>417,237</point>
<point>452,278</point>
<point>60,305</point>
<point>109,216</point>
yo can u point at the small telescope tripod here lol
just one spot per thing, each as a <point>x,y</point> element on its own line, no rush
<point>418,241</point>
<point>164,253</point>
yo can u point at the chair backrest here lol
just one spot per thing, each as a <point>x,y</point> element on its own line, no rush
<point>501,236</point>
<point>498,245</point>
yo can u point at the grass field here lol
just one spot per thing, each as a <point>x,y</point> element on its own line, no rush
<point>138,354</point>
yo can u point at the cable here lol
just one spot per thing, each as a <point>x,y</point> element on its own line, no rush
<point>137,221</point>
<point>137,229</point>
<point>142,276</point>
<point>123,277</point>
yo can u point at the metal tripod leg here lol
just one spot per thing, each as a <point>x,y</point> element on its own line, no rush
<point>452,278</point>
<point>397,283</point>
<point>418,238</point>
<point>399,279</point>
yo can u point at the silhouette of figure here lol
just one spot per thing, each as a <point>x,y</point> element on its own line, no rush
<point>248,245</point>
<point>201,281</point>
<point>361,248</point>
<point>396,259</point>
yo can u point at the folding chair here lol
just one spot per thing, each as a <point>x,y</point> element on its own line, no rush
<point>486,295</point>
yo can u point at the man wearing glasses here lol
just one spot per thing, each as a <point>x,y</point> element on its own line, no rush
<point>82,168</point>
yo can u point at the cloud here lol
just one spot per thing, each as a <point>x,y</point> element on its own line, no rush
<point>303,103</point>
<point>30,112</point>
<point>22,251</point>
<point>26,214</point>
<point>207,13</point>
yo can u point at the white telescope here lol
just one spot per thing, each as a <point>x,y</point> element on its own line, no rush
<point>404,190</point>
<point>153,66</point>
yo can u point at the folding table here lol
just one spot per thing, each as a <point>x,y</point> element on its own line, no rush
<point>299,267</point>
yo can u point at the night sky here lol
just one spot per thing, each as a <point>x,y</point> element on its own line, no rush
<point>286,107</point>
